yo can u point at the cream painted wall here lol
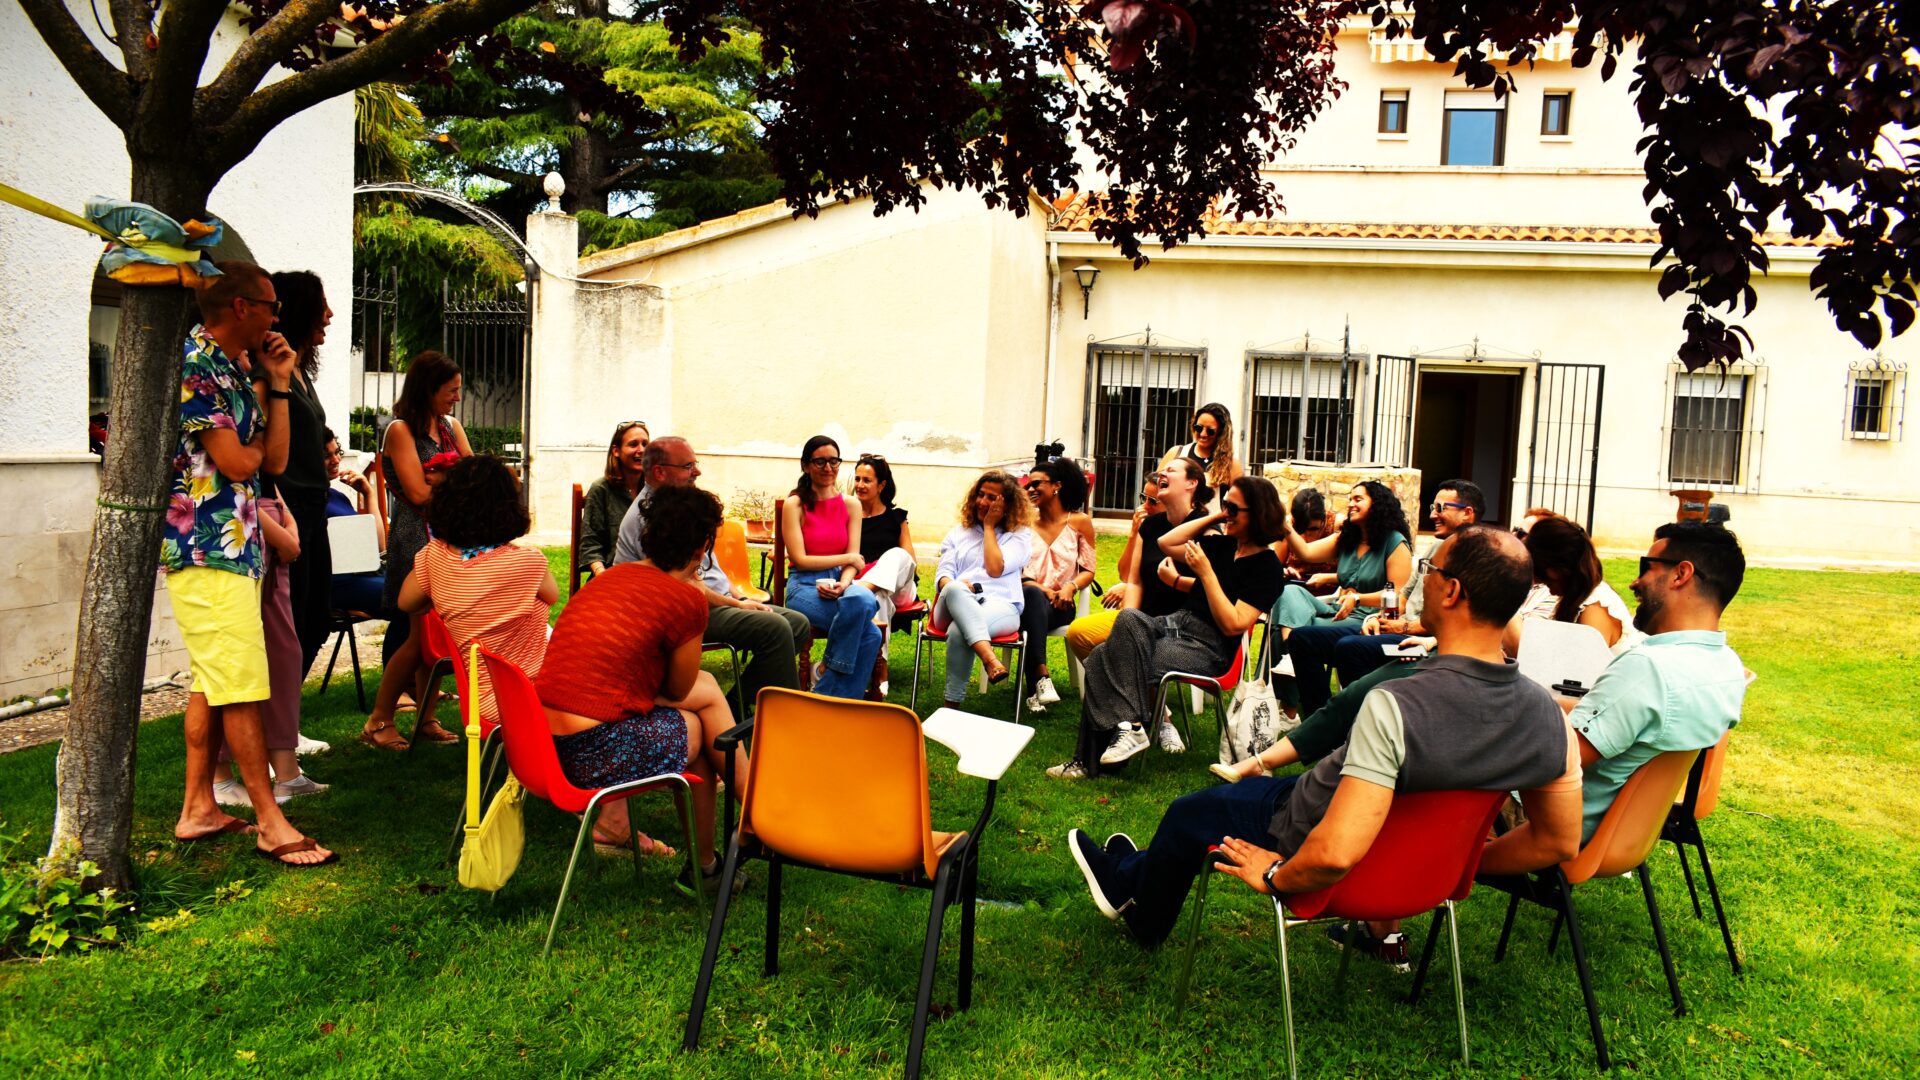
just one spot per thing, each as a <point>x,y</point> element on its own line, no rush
<point>291,205</point>
<point>1865,495</point>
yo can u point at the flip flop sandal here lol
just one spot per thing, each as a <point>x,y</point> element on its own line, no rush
<point>371,736</point>
<point>307,843</point>
<point>233,825</point>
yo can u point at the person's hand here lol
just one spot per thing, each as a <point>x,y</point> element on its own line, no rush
<point>1248,862</point>
<point>1139,517</point>
<point>1348,601</point>
<point>1114,598</point>
<point>995,514</point>
<point>278,359</point>
<point>830,588</point>
<point>855,560</point>
<point>749,605</point>
<point>1197,560</point>
<point>1370,625</point>
<point>1062,598</point>
<point>1392,626</point>
<point>355,480</point>
<point>1168,573</point>
<point>1318,580</point>
<point>285,547</point>
<point>597,567</point>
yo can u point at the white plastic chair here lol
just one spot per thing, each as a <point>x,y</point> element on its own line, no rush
<point>1560,652</point>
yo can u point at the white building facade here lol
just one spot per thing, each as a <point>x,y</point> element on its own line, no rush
<point>288,207</point>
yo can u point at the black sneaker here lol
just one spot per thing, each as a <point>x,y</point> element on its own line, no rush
<point>1120,845</point>
<point>1390,950</point>
<point>1097,867</point>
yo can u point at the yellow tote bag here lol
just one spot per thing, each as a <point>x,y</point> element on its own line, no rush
<point>493,844</point>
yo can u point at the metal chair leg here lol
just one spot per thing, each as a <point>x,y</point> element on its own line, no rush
<point>332,659</point>
<point>913,698</point>
<point>1680,849</point>
<point>1506,928</point>
<point>969,900</point>
<point>1586,973</point>
<point>1286,988</point>
<point>929,956</point>
<point>579,841</point>
<point>771,966</point>
<point>1340,975</point>
<point>353,651</point>
<point>1660,942</point>
<point>697,1012</point>
<point>1459,990</point>
<point>1193,941</point>
<point>1426,958</point>
<point>1719,912</point>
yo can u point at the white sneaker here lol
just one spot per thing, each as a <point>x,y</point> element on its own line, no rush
<point>1284,666</point>
<point>1068,770</point>
<point>311,746</point>
<point>1130,740</point>
<point>1034,704</point>
<point>1170,741</point>
<point>234,793</point>
<point>296,787</point>
<point>1044,693</point>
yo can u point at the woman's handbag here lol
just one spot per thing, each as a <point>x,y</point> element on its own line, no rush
<point>1255,720</point>
<point>493,844</point>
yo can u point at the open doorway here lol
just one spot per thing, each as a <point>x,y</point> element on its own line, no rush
<point>1467,425</point>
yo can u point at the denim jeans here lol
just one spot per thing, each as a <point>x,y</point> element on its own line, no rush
<point>969,618</point>
<point>1158,876</point>
<point>853,642</point>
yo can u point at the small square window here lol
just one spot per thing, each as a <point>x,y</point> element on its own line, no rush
<point>1556,113</point>
<point>1876,399</point>
<point>1393,112</point>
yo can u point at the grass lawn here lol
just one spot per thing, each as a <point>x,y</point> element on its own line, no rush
<point>384,965</point>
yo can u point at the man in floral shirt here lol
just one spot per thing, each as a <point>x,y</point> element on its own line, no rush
<point>210,548</point>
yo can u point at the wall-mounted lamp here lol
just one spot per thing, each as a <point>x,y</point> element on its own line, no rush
<point>1087,273</point>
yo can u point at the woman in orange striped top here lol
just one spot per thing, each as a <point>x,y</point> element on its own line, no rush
<point>486,589</point>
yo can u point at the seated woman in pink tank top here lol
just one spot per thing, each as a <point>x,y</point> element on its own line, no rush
<point>822,530</point>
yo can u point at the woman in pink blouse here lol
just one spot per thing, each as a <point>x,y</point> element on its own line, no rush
<point>1062,564</point>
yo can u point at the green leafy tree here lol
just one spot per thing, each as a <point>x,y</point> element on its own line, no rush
<point>686,149</point>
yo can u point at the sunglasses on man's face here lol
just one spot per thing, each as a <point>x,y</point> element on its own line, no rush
<point>1647,562</point>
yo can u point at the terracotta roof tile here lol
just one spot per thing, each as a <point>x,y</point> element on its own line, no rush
<point>1074,216</point>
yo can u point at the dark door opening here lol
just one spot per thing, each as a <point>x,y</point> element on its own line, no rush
<point>1468,427</point>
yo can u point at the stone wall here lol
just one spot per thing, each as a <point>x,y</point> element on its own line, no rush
<point>1335,481</point>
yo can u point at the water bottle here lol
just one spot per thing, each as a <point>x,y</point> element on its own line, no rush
<point>1389,602</point>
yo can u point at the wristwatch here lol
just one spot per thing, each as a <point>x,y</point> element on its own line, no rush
<point>1267,878</point>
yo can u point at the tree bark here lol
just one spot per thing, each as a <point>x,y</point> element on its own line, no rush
<point>95,769</point>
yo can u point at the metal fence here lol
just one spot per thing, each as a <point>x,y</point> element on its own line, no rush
<point>489,334</point>
<point>1141,402</point>
<point>1392,440</point>
<point>1563,455</point>
<point>1300,407</point>
<point>1716,426</point>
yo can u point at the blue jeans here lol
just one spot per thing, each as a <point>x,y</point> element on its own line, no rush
<point>969,618</point>
<point>853,641</point>
<point>1158,876</point>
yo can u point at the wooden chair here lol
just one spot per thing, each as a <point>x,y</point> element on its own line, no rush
<point>577,575</point>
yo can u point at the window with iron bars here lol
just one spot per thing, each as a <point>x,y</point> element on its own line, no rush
<point>1876,399</point>
<point>1300,408</point>
<point>1716,426</point>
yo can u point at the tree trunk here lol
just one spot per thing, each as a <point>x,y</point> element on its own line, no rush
<point>585,166</point>
<point>95,770</point>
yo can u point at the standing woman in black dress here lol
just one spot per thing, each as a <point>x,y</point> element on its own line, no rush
<point>303,320</point>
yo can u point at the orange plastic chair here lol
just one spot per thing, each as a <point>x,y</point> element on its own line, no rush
<point>841,786</point>
<point>1683,828</point>
<point>1627,834</point>
<point>1422,860</point>
<point>536,764</point>
<point>730,549</point>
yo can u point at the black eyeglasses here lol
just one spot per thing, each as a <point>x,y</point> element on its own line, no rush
<point>1439,506</point>
<point>1427,564</point>
<point>1647,561</point>
<point>824,462</point>
<point>1521,532</point>
<point>1231,509</point>
<point>1205,429</point>
<point>274,304</point>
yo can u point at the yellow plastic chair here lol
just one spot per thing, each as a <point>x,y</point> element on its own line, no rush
<point>730,550</point>
<point>841,786</point>
<point>1626,835</point>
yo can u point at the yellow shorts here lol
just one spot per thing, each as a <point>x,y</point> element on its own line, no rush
<point>219,617</point>
<point>1088,631</point>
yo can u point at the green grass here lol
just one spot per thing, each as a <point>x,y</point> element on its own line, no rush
<point>383,964</point>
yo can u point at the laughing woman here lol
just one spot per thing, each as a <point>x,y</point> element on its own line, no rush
<point>607,500</point>
<point>978,581</point>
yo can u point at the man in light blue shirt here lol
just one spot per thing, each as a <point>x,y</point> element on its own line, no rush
<point>1680,689</point>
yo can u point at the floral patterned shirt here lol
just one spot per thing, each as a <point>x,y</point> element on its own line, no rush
<point>211,520</point>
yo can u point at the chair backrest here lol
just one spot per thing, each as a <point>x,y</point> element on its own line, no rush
<point>377,476</point>
<point>1231,678</point>
<point>355,540</point>
<point>839,783</point>
<point>730,551</point>
<point>529,741</point>
<point>779,587</point>
<point>1426,852</point>
<point>1552,652</point>
<point>436,641</point>
<point>1703,780</point>
<point>1632,824</point>
<point>575,572</point>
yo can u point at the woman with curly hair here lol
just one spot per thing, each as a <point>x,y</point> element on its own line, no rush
<point>624,694</point>
<point>978,580</point>
<point>489,591</point>
<point>1370,549</point>
<point>1212,446</point>
<point>607,499</point>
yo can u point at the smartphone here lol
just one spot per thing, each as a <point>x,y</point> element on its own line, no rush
<point>1403,649</point>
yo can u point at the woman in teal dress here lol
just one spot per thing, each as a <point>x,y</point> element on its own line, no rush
<point>1370,549</point>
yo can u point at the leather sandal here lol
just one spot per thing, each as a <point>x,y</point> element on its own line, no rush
<point>429,730</point>
<point>378,738</point>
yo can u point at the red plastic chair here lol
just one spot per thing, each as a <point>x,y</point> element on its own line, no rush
<point>1218,687</point>
<point>489,742</point>
<point>437,650</point>
<point>1423,860</point>
<point>536,764</point>
<point>1013,642</point>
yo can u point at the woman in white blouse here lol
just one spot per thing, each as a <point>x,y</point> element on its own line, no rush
<point>1570,587</point>
<point>978,580</point>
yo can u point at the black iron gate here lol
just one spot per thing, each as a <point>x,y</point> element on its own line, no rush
<point>1140,402</point>
<point>376,322</point>
<point>488,334</point>
<point>1563,459</point>
<point>1392,441</point>
<point>1300,407</point>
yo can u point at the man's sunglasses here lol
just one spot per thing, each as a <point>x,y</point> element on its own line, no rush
<point>1647,561</point>
<point>273,304</point>
<point>1439,506</point>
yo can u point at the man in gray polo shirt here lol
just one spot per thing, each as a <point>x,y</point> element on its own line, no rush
<point>770,636</point>
<point>1465,720</point>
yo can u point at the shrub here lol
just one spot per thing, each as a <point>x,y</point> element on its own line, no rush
<point>45,905</point>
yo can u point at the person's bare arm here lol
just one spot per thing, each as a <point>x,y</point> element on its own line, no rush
<point>460,437</point>
<point>1176,540</point>
<point>906,535</point>
<point>549,590</point>
<point>683,667</point>
<point>853,562</point>
<point>1595,615</point>
<point>236,460</point>
<point>1330,851</point>
<point>413,597</point>
<point>1233,617</point>
<point>1322,550</point>
<point>1549,836</point>
<point>283,539</point>
<point>407,469</point>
